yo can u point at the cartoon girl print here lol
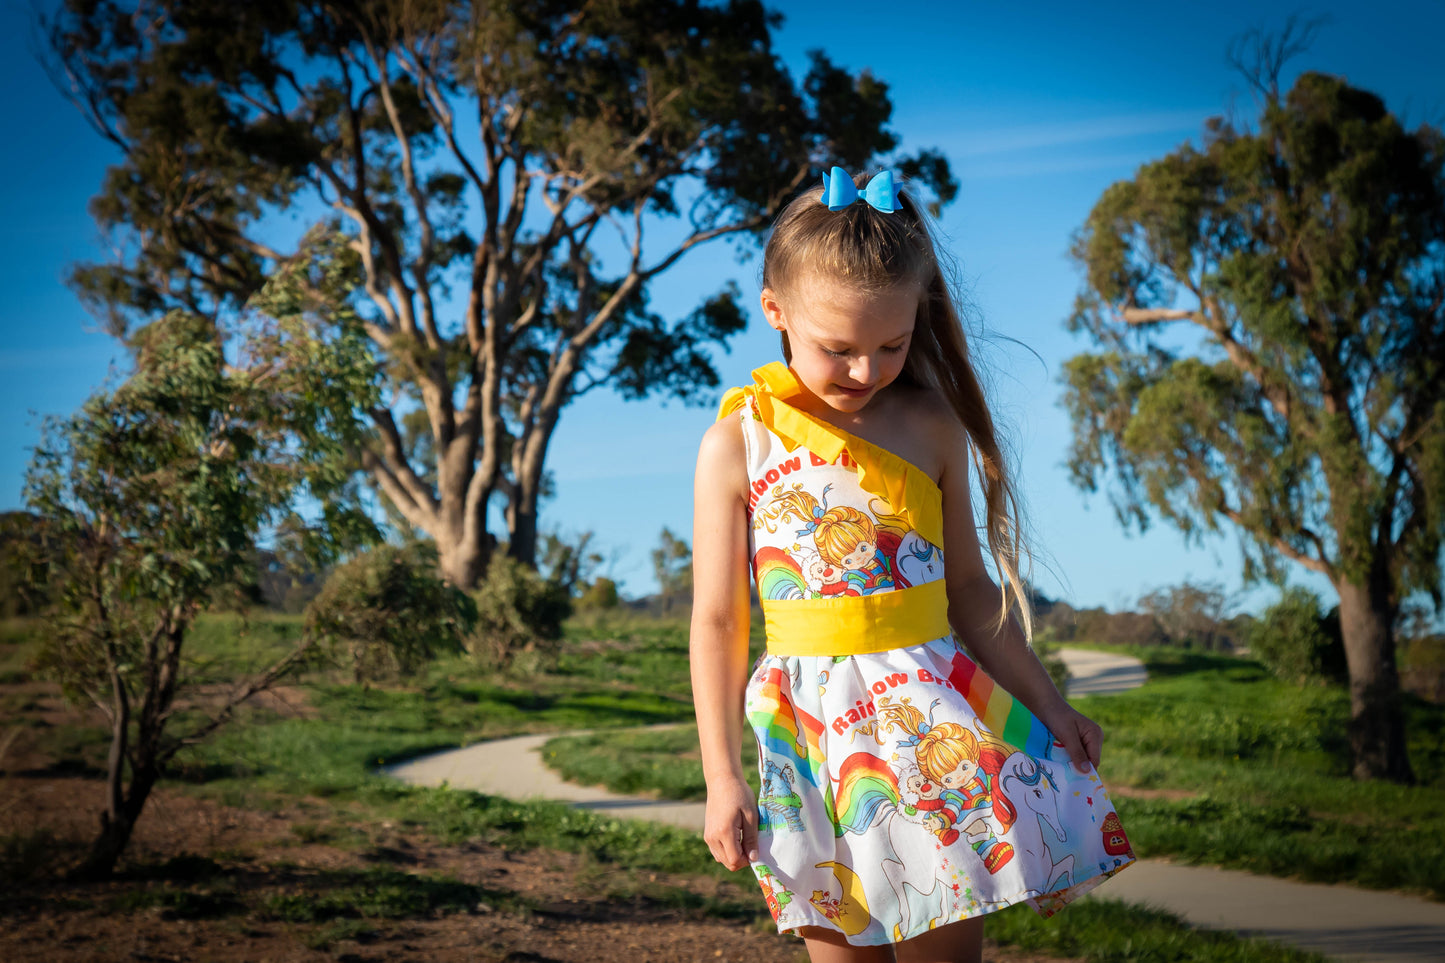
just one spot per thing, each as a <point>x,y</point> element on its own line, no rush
<point>959,771</point>
<point>847,539</point>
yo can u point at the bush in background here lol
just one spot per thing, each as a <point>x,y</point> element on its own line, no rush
<point>1048,654</point>
<point>519,616</point>
<point>601,595</point>
<point>386,612</point>
<point>1296,642</point>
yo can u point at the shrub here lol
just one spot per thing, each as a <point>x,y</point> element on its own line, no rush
<point>1296,642</point>
<point>601,594</point>
<point>1048,654</point>
<point>385,613</point>
<point>519,616</point>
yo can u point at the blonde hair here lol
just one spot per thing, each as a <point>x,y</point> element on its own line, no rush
<point>871,251</point>
<point>837,531</point>
<point>942,748</point>
<point>939,749</point>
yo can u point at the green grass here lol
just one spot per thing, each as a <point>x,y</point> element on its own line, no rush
<point>1264,766</point>
<point>1269,764</point>
<point>357,729</point>
<point>1183,730</point>
<point>663,762</point>
<point>374,894</point>
<point>1108,931</point>
<point>224,646</point>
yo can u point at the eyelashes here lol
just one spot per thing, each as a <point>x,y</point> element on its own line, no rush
<point>892,349</point>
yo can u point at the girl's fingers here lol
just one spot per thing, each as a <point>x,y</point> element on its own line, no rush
<point>1086,742</point>
<point>1078,753</point>
<point>750,835</point>
<point>1093,742</point>
<point>726,848</point>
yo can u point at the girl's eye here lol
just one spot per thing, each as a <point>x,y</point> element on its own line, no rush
<point>891,349</point>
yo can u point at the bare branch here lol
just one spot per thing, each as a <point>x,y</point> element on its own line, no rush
<point>421,266</point>
<point>698,238</point>
<point>1279,544</point>
<point>1264,60</point>
<point>259,683</point>
<point>1138,317</point>
<point>397,464</point>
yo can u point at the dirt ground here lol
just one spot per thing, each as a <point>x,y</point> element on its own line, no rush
<point>199,877</point>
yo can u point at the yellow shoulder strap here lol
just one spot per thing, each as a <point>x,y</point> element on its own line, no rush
<point>732,400</point>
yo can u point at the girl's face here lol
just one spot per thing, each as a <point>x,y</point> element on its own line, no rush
<point>961,775</point>
<point>860,556</point>
<point>847,345</point>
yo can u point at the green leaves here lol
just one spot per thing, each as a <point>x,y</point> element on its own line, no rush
<point>386,613</point>
<point>1301,256</point>
<point>1303,408</point>
<point>150,498</point>
<point>497,182</point>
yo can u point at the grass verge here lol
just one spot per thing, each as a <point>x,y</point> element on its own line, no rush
<point>610,676</point>
<point>1240,770</point>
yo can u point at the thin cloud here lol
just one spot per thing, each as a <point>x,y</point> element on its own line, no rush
<point>1034,136</point>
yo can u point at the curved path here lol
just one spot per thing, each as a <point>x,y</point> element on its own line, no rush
<point>1340,921</point>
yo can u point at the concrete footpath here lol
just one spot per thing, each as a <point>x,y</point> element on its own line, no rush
<point>1343,922</point>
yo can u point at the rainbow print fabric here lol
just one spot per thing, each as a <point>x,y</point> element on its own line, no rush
<point>901,790</point>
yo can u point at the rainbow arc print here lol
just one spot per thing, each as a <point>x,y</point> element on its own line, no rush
<point>999,712</point>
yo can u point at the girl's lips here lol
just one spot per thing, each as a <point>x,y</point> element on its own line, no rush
<point>855,392</point>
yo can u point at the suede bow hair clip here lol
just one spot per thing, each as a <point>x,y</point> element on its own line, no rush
<point>881,193</point>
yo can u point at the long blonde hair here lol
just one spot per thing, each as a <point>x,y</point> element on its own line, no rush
<point>871,251</point>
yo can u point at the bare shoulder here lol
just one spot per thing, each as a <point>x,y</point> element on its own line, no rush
<point>938,417</point>
<point>722,456</point>
<point>935,435</point>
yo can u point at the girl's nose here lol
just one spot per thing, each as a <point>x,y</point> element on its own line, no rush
<point>864,370</point>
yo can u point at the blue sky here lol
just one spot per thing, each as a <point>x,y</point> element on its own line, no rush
<point>1039,107</point>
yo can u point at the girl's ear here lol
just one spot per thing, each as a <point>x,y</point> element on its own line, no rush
<point>773,310</point>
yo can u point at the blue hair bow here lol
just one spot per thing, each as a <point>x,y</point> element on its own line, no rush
<point>880,192</point>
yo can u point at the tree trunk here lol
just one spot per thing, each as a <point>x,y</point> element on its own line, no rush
<point>116,829</point>
<point>463,567</point>
<point>1377,724</point>
<point>528,464</point>
<point>522,521</point>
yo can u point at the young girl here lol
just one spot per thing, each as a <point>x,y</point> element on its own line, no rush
<point>919,792</point>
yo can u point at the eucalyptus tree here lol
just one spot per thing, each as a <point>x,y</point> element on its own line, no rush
<point>148,501</point>
<point>1306,406</point>
<point>511,177</point>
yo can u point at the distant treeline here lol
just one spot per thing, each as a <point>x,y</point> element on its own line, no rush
<point>1060,622</point>
<point>1296,637</point>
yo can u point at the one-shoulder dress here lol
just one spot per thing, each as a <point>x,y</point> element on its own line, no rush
<point>901,788</point>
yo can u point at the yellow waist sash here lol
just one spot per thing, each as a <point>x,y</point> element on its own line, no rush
<point>855,625</point>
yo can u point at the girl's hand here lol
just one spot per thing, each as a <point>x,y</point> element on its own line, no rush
<point>730,826</point>
<point>1080,736</point>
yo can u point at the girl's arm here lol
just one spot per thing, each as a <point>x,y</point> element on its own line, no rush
<point>718,645</point>
<point>973,604</point>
